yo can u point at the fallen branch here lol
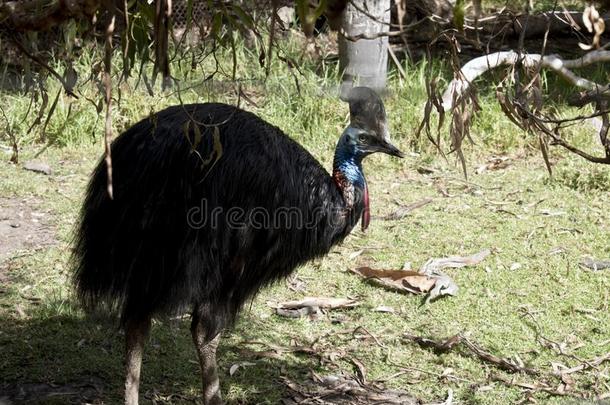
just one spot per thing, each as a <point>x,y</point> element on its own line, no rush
<point>539,387</point>
<point>593,363</point>
<point>405,210</point>
<point>310,306</point>
<point>452,342</point>
<point>339,389</point>
<point>477,66</point>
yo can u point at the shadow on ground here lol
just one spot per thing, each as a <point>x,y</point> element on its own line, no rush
<point>74,360</point>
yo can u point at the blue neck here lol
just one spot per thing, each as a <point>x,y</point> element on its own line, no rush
<point>349,163</point>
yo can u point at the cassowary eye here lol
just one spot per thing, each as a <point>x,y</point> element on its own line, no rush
<point>362,138</point>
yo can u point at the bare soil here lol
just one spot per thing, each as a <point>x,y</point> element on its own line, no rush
<point>24,226</point>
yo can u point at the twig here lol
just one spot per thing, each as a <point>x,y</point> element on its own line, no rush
<point>454,341</point>
<point>371,16</point>
<point>42,64</point>
<point>587,364</point>
<point>404,210</point>
<point>362,328</point>
<point>554,135</point>
<point>108,98</point>
<point>274,16</point>
<point>402,72</point>
<point>537,386</point>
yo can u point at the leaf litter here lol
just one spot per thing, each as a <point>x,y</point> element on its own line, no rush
<point>430,279</point>
<point>595,264</point>
<point>310,306</point>
<point>344,390</point>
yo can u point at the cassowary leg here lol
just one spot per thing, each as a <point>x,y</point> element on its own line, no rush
<point>135,336</point>
<point>206,351</point>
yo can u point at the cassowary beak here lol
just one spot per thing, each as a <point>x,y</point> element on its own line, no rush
<point>388,148</point>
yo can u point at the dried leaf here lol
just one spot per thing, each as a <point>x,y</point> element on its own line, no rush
<point>404,210</point>
<point>320,302</point>
<point>296,284</point>
<point>494,163</point>
<point>444,286</point>
<point>312,312</point>
<point>357,253</point>
<point>384,308</point>
<point>446,345</point>
<point>550,213</point>
<point>338,389</point>
<point>38,167</point>
<point>595,264</point>
<point>310,306</point>
<point>361,370</point>
<point>586,18</point>
<point>421,282</point>
<point>433,265</point>
<point>428,280</point>
<point>70,78</point>
<point>233,369</point>
<point>399,280</point>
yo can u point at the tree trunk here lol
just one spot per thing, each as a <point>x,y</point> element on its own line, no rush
<point>364,62</point>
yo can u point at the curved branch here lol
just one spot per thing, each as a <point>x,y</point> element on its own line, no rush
<point>477,66</point>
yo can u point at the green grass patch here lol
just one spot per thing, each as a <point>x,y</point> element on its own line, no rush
<point>538,228</point>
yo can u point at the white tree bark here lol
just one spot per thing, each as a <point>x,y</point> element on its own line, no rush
<point>364,62</point>
<point>477,66</point>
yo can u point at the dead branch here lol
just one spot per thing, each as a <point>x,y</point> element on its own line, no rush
<point>537,387</point>
<point>583,98</point>
<point>163,13</point>
<point>588,364</point>
<point>108,99</point>
<point>452,342</point>
<point>465,105</point>
<point>404,210</point>
<point>274,17</point>
<point>514,25</point>
<point>478,66</point>
<point>40,62</point>
<point>539,123</point>
<point>504,22</point>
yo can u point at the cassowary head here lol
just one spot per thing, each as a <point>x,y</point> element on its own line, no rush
<point>368,129</point>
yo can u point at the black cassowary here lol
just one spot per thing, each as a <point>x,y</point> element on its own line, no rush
<point>210,204</point>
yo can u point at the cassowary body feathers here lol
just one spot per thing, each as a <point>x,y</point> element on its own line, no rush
<point>210,204</point>
<point>194,224</point>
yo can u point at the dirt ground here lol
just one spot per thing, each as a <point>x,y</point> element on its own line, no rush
<point>23,228</point>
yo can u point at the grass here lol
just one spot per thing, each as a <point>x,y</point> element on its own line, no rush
<point>537,227</point>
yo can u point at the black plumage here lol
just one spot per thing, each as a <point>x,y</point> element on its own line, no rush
<point>210,204</point>
<point>141,249</point>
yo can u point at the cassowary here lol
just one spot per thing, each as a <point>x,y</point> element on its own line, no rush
<point>210,204</point>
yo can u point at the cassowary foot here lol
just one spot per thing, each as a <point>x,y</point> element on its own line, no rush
<point>206,351</point>
<point>135,336</point>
